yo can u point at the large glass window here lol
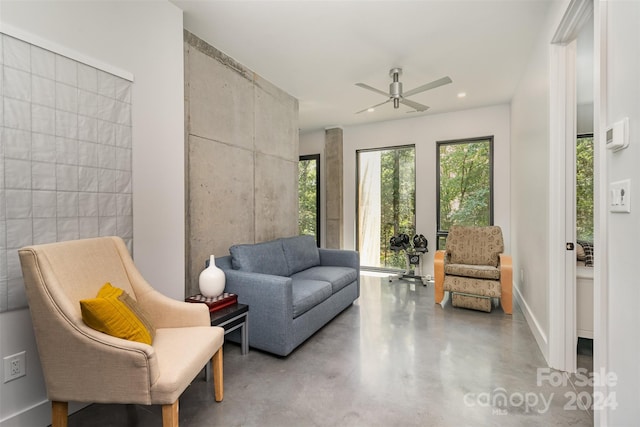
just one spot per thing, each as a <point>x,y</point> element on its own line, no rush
<point>309,196</point>
<point>465,184</point>
<point>584,188</point>
<point>386,203</point>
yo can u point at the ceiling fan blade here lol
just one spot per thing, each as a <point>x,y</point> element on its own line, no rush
<point>373,89</point>
<point>415,105</point>
<point>373,106</point>
<point>434,84</point>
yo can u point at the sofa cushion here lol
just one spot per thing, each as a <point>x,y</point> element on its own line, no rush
<point>477,271</point>
<point>265,258</point>
<point>301,252</point>
<point>339,277</point>
<point>307,294</point>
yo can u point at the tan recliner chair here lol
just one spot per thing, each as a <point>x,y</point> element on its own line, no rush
<point>84,365</point>
<point>473,269</point>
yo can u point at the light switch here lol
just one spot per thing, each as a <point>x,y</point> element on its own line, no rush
<point>620,196</point>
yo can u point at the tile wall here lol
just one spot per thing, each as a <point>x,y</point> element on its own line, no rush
<point>65,155</point>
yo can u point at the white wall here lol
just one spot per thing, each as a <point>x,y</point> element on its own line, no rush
<point>623,100</point>
<point>145,39</point>
<point>530,139</point>
<point>424,132</point>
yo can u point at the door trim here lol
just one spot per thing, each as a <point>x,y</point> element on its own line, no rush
<point>562,287</point>
<point>562,281</point>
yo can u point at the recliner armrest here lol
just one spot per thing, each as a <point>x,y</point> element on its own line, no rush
<point>506,283</point>
<point>438,275</point>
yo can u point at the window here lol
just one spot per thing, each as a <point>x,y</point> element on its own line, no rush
<point>464,184</point>
<point>584,188</point>
<point>309,196</point>
<point>386,201</point>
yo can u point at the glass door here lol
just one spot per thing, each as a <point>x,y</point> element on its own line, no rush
<point>386,201</point>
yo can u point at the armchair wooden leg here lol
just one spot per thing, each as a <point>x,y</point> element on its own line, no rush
<point>170,415</point>
<point>218,380</point>
<point>59,414</point>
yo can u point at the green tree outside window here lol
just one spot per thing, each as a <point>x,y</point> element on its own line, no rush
<point>309,196</point>
<point>465,184</point>
<point>584,188</point>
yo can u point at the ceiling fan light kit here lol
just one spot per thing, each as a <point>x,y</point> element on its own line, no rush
<point>396,94</point>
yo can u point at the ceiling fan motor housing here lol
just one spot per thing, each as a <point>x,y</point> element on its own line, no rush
<point>395,88</point>
<point>395,91</point>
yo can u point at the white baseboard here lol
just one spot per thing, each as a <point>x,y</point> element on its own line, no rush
<point>534,326</point>
<point>37,415</point>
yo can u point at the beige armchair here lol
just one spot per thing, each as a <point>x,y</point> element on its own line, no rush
<point>473,269</point>
<point>83,365</point>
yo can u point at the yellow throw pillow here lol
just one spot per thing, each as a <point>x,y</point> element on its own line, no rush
<point>114,312</point>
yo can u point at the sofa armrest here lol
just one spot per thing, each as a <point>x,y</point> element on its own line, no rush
<point>270,298</point>
<point>340,258</point>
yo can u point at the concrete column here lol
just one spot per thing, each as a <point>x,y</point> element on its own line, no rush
<point>334,233</point>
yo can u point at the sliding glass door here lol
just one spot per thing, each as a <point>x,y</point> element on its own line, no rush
<point>386,201</point>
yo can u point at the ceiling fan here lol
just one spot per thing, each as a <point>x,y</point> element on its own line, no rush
<point>398,97</point>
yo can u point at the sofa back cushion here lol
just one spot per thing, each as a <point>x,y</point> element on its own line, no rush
<point>475,245</point>
<point>265,258</point>
<point>301,253</point>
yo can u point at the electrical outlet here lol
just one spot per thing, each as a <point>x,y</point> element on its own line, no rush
<point>15,366</point>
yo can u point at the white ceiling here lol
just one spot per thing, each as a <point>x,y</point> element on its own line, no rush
<point>317,50</point>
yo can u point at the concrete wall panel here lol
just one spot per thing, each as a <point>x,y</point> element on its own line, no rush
<point>276,198</point>
<point>221,101</point>
<point>276,121</point>
<point>242,157</point>
<point>221,204</point>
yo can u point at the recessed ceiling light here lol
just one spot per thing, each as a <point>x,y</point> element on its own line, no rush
<point>462,94</point>
<point>371,110</point>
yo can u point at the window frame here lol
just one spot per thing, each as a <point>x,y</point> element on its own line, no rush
<point>440,233</point>
<point>578,137</point>
<point>357,192</point>
<point>315,157</point>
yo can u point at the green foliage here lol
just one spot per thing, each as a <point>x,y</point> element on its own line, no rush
<point>584,188</point>
<point>398,189</point>
<point>307,199</point>
<point>465,184</point>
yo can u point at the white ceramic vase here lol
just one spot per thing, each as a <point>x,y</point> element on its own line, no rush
<point>211,280</point>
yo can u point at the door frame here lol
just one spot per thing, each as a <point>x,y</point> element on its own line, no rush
<point>562,280</point>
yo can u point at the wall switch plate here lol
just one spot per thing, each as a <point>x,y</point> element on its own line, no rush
<point>620,196</point>
<point>15,366</point>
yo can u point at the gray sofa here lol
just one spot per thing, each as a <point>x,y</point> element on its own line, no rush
<point>292,288</point>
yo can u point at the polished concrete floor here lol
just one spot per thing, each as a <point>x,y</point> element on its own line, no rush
<point>394,358</point>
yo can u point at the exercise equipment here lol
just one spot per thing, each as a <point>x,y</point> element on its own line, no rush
<point>413,256</point>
